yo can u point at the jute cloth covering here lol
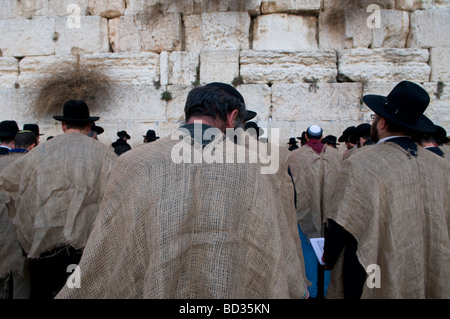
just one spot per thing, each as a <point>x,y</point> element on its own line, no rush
<point>398,208</point>
<point>446,150</point>
<point>314,177</point>
<point>189,230</point>
<point>56,190</point>
<point>11,255</point>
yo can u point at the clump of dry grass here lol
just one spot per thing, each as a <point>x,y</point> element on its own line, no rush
<point>70,81</point>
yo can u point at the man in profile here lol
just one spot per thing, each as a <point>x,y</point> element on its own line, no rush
<point>202,230</point>
<point>53,194</point>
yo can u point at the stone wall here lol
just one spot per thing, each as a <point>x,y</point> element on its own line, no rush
<point>296,62</point>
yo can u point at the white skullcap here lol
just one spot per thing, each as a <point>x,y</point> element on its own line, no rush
<point>315,130</point>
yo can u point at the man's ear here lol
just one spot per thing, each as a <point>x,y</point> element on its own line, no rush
<point>231,118</point>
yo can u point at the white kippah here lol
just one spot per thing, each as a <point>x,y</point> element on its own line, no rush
<point>314,130</point>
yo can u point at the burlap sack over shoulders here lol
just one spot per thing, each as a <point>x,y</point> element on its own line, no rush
<point>314,177</point>
<point>397,207</point>
<point>189,230</point>
<point>11,256</point>
<point>56,190</point>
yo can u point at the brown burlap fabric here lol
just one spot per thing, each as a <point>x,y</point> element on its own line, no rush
<point>11,255</point>
<point>189,230</point>
<point>398,208</point>
<point>446,150</point>
<point>314,176</point>
<point>56,190</point>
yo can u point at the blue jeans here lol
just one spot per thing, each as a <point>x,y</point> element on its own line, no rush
<point>312,267</point>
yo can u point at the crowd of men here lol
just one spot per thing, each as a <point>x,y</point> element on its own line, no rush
<point>80,221</point>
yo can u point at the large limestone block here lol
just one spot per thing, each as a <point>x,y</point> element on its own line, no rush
<point>132,103</point>
<point>25,37</point>
<point>302,66</point>
<point>257,98</point>
<point>393,31</point>
<point>284,32</point>
<point>146,32</point>
<point>107,8</point>
<point>175,107</point>
<point>384,65</point>
<point>412,5</point>
<point>131,68</point>
<point>36,69</point>
<point>9,9</point>
<point>316,101</point>
<point>9,71</point>
<point>29,9</point>
<point>183,67</point>
<point>357,34</point>
<point>437,111</point>
<point>440,64</point>
<point>217,31</point>
<point>17,105</point>
<point>90,35</point>
<point>429,28</point>
<point>219,66</point>
<point>271,6</point>
<point>67,8</point>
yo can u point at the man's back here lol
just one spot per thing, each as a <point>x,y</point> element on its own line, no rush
<point>190,230</point>
<point>399,218</point>
<point>57,188</point>
<point>314,176</point>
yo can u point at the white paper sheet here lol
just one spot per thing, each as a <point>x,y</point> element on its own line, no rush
<point>317,244</point>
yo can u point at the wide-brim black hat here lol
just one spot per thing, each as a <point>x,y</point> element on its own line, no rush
<point>346,134</point>
<point>330,139</point>
<point>151,135</point>
<point>123,134</point>
<point>292,140</point>
<point>33,128</point>
<point>8,128</point>
<point>75,111</point>
<point>404,106</point>
<point>98,129</point>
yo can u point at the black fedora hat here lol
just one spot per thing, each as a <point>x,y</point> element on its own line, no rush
<point>404,105</point>
<point>330,139</point>
<point>96,128</point>
<point>348,132</point>
<point>255,126</point>
<point>292,140</point>
<point>75,111</point>
<point>8,128</point>
<point>123,134</point>
<point>33,128</point>
<point>151,135</point>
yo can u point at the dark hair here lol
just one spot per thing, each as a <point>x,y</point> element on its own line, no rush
<point>213,101</point>
<point>393,127</point>
<point>25,139</point>
<point>77,125</point>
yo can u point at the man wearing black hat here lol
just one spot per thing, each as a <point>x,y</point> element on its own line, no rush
<point>330,140</point>
<point>8,130</point>
<point>95,131</point>
<point>120,145</point>
<point>388,222</point>
<point>33,128</point>
<point>292,144</point>
<point>150,136</point>
<point>62,182</point>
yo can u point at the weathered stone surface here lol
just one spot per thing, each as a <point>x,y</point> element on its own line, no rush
<point>131,68</point>
<point>183,67</point>
<point>67,8</point>
<point>217,31</point>
<point>175,107</point>
<point>412,5</point>
<point>271,6</point>
<point>284,32</point>
<point>320,101</point>
<point>145,32</point>
<point>132,103</point>
<point>17,105</point>
<point>440,64</point>
<point>107,8</point>
<point>302,66</point>
<point>357,34</point>
<point>427,28</point>
<point>34,69</point>
<point>219,66</point>
<point>439,103</point>
<point>90,37</point>
<point>32,9</point>
<point>9,9</point>
<point>25,37</point>
<point>393,31</point>
<point>384,65</point>
<point>257,98</point>
<point>9,71</point>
